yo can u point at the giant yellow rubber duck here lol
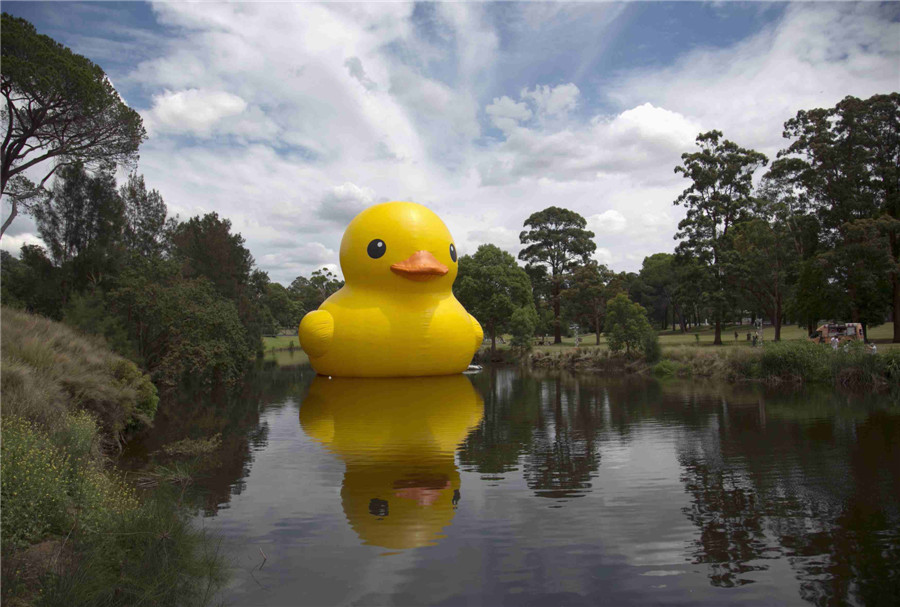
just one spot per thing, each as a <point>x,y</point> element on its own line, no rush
<point>396,314</point>
<point>398,440</point>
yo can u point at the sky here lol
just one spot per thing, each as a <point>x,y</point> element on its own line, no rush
<point>289,118</point>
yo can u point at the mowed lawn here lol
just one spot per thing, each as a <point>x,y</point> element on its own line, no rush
<point>881,335</point>
<point>282,342</point>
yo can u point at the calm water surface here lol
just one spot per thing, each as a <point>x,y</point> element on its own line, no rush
<point>517,488</point>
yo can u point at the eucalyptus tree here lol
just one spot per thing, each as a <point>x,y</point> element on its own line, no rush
<point>145,217</point>
<point>658,272</point>
<point>60,109</point>
<point>718,197</point>
<point>557,239</point>
<point>588,294</point>
<point>82,225</point>
<point>845,164</point>
<point>496,291</point>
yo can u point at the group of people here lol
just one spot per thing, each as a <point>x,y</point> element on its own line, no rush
<point>871,348</point>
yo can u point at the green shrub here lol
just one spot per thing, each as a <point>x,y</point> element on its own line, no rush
<point>151,555</point>
<point>52,485</point>
<point>667,368</point>
<point>522,325</point>
<point>650,346</point>
<point>33,483</point>
<point>797,360</point>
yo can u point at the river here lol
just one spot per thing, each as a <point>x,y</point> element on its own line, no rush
<point>511,487</point>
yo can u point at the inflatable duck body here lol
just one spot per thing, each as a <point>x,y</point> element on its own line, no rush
<point>396,315</point>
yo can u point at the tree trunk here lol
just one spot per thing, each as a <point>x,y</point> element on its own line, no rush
<point>13,211</point>
<point>777,320</point>
<point>597,326</point>
<point>557,334</point>
<point>810,327</point>
<point>718,340</point>
<point>895,312</point>
<point>493,341</point>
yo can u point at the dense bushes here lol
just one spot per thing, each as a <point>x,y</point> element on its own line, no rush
<point>792,361</point>
<point>53,484</point>
<point>627,328</point>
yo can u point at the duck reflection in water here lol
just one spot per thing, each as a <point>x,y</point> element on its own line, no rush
<point>398,440</point>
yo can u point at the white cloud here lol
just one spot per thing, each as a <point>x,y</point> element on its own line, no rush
<point>607,222</point>
<point>506,114</point>
<point>553,101</point>
<point>639,140</point>
<point>813,57</point>
<point>344,202</point>
<point>13,244</point>
<point>604,255</point>
<point>192,111</point>
<point>308,112</point>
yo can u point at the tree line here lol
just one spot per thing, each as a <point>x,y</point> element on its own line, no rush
<point>816,236</point>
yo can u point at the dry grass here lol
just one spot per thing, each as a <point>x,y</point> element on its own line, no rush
<point>49,369</point>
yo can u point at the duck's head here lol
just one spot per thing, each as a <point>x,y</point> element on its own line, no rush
<point>399,246</point>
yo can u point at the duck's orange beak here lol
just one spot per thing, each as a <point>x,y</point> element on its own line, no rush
<point>420,266</point>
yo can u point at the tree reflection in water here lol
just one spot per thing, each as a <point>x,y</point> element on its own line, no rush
<point>805,482</point>
<point>807,476</point>
<point>201,413</point>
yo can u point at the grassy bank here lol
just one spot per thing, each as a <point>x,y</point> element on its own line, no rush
<point>74,532</point>
<point>703,337</point>
<point>790,361</point>
<point>284,350</point>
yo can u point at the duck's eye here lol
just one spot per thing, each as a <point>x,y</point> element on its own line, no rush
<point>376,248</point>
<point>452,252</point>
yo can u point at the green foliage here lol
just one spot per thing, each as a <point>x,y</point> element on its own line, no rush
<point>492,287</point>
<point>721,176</point>
<point>650,346</point>
<point>193,447</point>
<point>90,312</point>
<point>522,325</point>
<point>843,165</point>
<point>205,248</point>
<point>32,484</point>
<point>285,310</point>
<point>145,217</point>
<point>151,555</point>
<point>182,328</point>
<point>53,484</point>
<point>556,239</point>
<point>658,273</point>
<point>311,292</point>
<point>60,109</point>
<point>587,295</point>
<point>56,489</point>
<point>806,361</point>
<point>32,282</point>
<point>627,327</point>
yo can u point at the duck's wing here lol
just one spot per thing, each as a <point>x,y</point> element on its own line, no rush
<point>316,331</point>
<point>479,334</point>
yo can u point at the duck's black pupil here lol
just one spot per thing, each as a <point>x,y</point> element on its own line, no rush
<point>452,252</point>
<point>376,248</point>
